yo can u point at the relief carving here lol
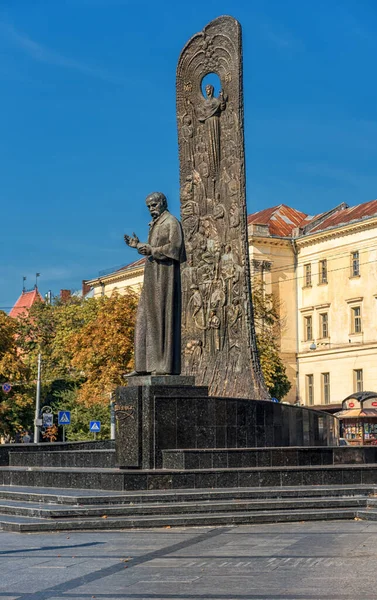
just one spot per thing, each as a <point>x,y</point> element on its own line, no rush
<point>219,345</point>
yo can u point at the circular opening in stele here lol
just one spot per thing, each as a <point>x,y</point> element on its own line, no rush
<point>211,79</point>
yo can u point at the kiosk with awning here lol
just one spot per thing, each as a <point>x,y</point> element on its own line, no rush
<point>358,418</point>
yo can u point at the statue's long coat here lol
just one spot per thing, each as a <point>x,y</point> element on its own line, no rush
<point>158,323</point>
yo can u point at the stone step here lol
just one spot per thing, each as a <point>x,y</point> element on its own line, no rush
<point>24,524</point>
<point>367,515</point>
<point>217,458</point>
<point>160,479</point>
<point>53,511</point>
<point>68,458</point>
<point>77,497</point>
<point>372,501</point>
<point>7,449</point>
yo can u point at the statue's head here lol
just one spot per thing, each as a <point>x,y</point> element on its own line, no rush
<point>210,90</point>
<point>157,204</point>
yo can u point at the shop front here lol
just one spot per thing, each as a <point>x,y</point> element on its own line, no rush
<point>358,419</point>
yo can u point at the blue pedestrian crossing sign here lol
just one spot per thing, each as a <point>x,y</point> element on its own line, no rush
<point>95,426</point>
<point>64,417</point>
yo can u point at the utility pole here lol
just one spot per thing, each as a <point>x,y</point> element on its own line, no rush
<point>112,417</point>
<point>37,419</point>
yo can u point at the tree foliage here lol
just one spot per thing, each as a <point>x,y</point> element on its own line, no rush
<point>16,406</point>
<point>103,348</point>
<point>86,347</point>
<point>268,326</point>
<point>81,415</point>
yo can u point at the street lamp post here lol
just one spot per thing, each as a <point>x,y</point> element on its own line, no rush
<point>37,419</point>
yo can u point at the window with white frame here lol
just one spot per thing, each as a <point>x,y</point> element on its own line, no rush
<point>308,328</point>
<point>309,380</point>
<point>355,264</point>
<point>356,319</point>
<point>323,271</point>
<point>307,275</point>
<point>325,388</point>
<point>358,380</point>
<point>324,325</point>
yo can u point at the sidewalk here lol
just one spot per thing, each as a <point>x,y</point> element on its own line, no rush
<point>294,561</point>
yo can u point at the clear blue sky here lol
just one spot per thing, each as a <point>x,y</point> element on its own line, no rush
<point>88,128</point>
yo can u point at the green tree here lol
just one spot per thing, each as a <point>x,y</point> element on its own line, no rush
<point>81,415</point>
<point>47,328</point>
<point>16,406</point>
<point>268,331</point>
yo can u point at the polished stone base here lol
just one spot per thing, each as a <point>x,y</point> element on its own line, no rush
<point>161,380</point>
<point>154,418</point>
<point>147,421</point>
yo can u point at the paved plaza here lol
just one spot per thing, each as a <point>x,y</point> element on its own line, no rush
<point>294,561</point>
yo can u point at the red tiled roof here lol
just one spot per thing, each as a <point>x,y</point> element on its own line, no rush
<point>25,302</point>
<point>348,215</point>
<point>281,219</point>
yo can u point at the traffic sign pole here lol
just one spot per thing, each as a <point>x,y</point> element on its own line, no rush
<point>64,418</point>
<point>95,427</point>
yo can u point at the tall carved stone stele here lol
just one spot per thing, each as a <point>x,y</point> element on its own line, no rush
<point>218,336</point>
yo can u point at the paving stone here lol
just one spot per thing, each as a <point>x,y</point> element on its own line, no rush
<point>295,561</point>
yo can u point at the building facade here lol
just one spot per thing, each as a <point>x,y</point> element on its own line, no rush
<point>337,311</point>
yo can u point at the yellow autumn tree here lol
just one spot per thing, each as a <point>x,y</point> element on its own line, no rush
<point>102,350</point>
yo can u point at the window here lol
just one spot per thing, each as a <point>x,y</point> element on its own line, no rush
<point>307,275</point>
<point>325,388</point>
<point>356,319</point>
<point>323,271</point>
<point>355,264</point>
<point>308,324</point>
<point>309,390</point>
<point>324,325</point>
<point>358,380</point>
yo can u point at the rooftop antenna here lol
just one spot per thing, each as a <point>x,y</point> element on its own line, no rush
<point>23,284</point>
<point>36,280</point>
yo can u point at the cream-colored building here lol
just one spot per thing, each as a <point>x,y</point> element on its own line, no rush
<point>337,311</point>
<point>128,277</point>
<point>323,272</point>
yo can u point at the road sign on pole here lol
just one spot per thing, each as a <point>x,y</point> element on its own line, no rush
<point>95,426</point>
<point>6,387</point>
<point>47,419</point>
<point>64,417</point>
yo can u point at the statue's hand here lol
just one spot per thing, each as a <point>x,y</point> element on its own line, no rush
<point>132,241</point>
<point>144,249</point>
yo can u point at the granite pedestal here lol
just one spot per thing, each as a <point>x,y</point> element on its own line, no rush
<point>146,417</point>
<point>165,413</point>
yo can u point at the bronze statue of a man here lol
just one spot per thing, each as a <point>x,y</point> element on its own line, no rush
<point>158,322</point>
